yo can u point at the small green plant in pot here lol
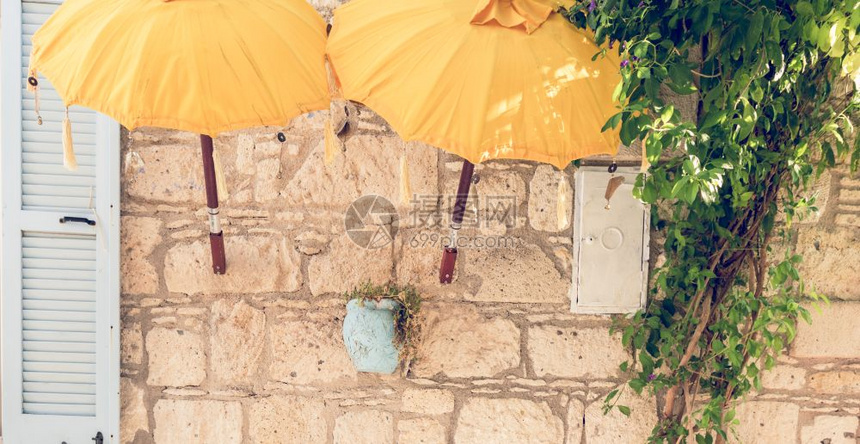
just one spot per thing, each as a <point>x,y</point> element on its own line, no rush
<point>381,328</point>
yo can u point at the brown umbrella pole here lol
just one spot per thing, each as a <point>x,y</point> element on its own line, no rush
<point>449,255</point>
<point>216,236</point>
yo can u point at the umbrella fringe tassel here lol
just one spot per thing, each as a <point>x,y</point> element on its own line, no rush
<point>562,204</point>
<point>332,143</point>
<point>405,185</point>
<point>37,104</point>
<point>69,160</point>
<point>220,179</point>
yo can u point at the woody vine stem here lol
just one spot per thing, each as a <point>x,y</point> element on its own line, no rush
<point>775,106</point>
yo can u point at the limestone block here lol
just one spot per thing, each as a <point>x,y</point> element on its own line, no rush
<point>848,220</point>
<point>131,344</point>
<point>511,420</point>
<point>428,401</point>
<point>364,427</point>
<point>615,426</point>
<point>307,352</point>
<point>139,237</point>
<point>575,352</point>
<point>849,195</point>
<point>767,422</point>
<point>500,196</point>
<point>501,183</point>
<point>346,265</point>
<point>267,183</point>
<point>250,150</point>
<point>418,258</point>
<point>238,332</point>
<point>176,358</point>
<point>461,343</point>
<point>133,413</point>
<point>830,430</point>
<point>522,274</point>
<point>170,173</point>
<point>254,265</point>
<point>575,420</point>
<point>833,333</point>
<point>370,164</point>
<point>543,199</point>
<point>182,421</point>
<point>783,377</point>
<point>836,382</point>
<point>421,431</point>
<point>287,420</point>
<point>831,260</point>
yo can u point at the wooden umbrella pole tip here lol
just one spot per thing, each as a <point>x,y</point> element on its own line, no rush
<point>219,258</point>
<point>449,261</point>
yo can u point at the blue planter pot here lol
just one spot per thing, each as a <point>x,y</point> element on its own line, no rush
<point>368,333</point>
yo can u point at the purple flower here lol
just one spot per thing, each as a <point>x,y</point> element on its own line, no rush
<point>652,377</point>
<point>641,4</point>
<point>592,6</point>
<point>624,63</point>
<point>611,42</point>
<point>634,59</point>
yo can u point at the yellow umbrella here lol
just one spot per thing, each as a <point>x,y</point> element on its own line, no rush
<point>205,66</point>
<point>484,79</point>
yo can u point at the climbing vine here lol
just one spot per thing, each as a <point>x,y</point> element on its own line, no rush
<point>775,107</point>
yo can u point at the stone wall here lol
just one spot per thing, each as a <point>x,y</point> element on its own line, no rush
<point>257,355</point>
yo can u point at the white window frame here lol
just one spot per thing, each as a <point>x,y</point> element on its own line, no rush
<point>107,206</point>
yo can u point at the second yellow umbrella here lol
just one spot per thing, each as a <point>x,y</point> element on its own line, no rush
<point>483,79</point>
<point>486,79</point>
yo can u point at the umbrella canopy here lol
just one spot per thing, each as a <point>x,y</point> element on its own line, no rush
<point>485,79</point>
<point>204,66</point>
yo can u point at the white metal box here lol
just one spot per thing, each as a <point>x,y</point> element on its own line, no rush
<point>610,246</point>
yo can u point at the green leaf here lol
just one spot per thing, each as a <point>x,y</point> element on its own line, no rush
<point>679,187</point>
<point>747,121</point>
<point>610,396</point>
<point>624,410</point>
<point>649,192</point>
<point>616,93</point>
<point>757,93</point>
<point>715,117</point>
<point>629,130</point>
<point>824,38</point>
<point>639,339</point>
<point>691,191</point>
<point>637,385</point>
<point>612,122</point>
<point>753,36</point>
<point>666,114</point>
<point>804,9</point>
<point>810,32</point>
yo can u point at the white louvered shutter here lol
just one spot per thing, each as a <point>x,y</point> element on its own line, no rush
<point>60,281</point>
